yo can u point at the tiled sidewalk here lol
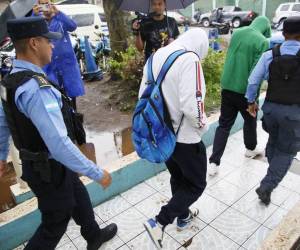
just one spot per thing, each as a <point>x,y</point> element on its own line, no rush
<point>231,216</point>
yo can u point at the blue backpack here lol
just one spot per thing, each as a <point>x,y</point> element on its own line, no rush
<point>153,135</point>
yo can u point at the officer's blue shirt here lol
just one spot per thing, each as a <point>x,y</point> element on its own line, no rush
<point>261,70</point>
<point>4,135</point>
<point>43,107</point>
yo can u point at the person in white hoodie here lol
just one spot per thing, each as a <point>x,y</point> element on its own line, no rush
<point>184,93</point>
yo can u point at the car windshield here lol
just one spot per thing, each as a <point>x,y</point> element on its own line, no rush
<point>228,8</point>
<point>102,17</point>
<point>83,19</point>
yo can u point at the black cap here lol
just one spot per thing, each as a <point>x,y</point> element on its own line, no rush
<point>27,27</point>
<point>291,25</point>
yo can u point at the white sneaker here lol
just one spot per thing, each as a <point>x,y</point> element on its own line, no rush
<point>253,153</point>
<point>213,169</point>
<point>183,224</point>
<point>155,231</point>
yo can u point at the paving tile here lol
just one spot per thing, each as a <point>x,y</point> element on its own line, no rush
<point>254,242</point>
<point>251,206</point>
<point>235,225</point>
<point>209,207</point>
<point>124,247</point>
<point>159,181</point>
<point>80,243</point>
<point>224,170</point>
<point>68,246</point>
<point>291,181</point>
<point>21,247</point>
<point>166,191</point>
<point>292,200</point>
<point>280,195</point>
<point>65,239</point>
<point>226,192</point>
<point>211,239</point>
<point>144,242</point>
<point>113,244</point>
<point>111,208</point>
<point>151,206</point>
<point>242,178</point>
<point>73,230</point>
<point>138,193</point>
<point>256,167</point>
<point>186,235</point>
<point>276,218</point>
<point>130,224</point>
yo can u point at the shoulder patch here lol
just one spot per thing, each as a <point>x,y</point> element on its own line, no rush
<point>42,81</point>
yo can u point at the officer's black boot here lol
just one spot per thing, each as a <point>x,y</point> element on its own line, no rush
<point>104,235</point>
<point>264,195</point>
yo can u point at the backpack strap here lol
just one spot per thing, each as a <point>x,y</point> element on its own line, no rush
<point>150,77</point>
<point>276,51</point>
<point>167,65</point>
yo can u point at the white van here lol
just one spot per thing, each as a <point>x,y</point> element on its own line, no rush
<point>88,17</point>
<point>286,10</point>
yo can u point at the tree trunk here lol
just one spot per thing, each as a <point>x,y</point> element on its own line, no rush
<point>117,24</point>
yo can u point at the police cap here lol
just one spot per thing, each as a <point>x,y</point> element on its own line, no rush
<point>27,27</point>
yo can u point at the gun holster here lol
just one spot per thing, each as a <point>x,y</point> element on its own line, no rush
<point>40,163</point>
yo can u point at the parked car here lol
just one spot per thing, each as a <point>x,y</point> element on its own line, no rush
<point>73,2</point>
<point>88,17</point>
<point>197,16</point>
<point>226,14</point>
<point>277,36</point>
<point>284,11</point>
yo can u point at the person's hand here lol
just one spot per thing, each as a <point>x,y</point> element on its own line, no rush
<point>36,9</point>
<point>136,25</point>
<point>252,109</point>
<point>53,9</point>
<point>2,167</point>
<point>106,180</point>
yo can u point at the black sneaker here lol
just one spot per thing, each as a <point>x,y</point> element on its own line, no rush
<point>105,234</point>
<point>264,196</point>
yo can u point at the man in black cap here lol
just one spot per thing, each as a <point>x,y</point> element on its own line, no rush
<point>281,67</point>
<point>42,123</point>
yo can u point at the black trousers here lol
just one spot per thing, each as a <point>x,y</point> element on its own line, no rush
<point>59,201</point>
<point>233,103</point>
<point>187,167</point>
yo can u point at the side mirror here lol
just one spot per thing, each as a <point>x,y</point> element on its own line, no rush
<point>96,27</point>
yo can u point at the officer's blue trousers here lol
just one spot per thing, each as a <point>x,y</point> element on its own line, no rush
<point>187,167</point>
<point>282,122</point>
<point>59,201</point>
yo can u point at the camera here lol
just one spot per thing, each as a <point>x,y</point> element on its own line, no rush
<point>44,7</point>
<point>142,19</point>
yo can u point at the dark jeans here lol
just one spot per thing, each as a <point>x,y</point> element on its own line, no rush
<point>187,167</point>
<point>282,122</point>
<point>59,201</point>
<point>233,103</point>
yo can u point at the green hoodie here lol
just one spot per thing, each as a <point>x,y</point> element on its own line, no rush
<point>246,47</point>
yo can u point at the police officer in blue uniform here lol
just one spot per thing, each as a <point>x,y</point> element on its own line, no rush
<point>281,109</point>
<point>44,128</point>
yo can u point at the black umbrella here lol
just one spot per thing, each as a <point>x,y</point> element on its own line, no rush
<point>16,9</point>
<point>145,5</point>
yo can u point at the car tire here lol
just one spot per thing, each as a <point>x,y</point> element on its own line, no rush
<point>236,23</point>
<point>205,22</point>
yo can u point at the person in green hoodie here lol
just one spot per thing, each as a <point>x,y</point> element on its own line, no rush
<point>246,47</point>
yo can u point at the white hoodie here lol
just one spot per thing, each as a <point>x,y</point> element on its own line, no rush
<point>181,83</point>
